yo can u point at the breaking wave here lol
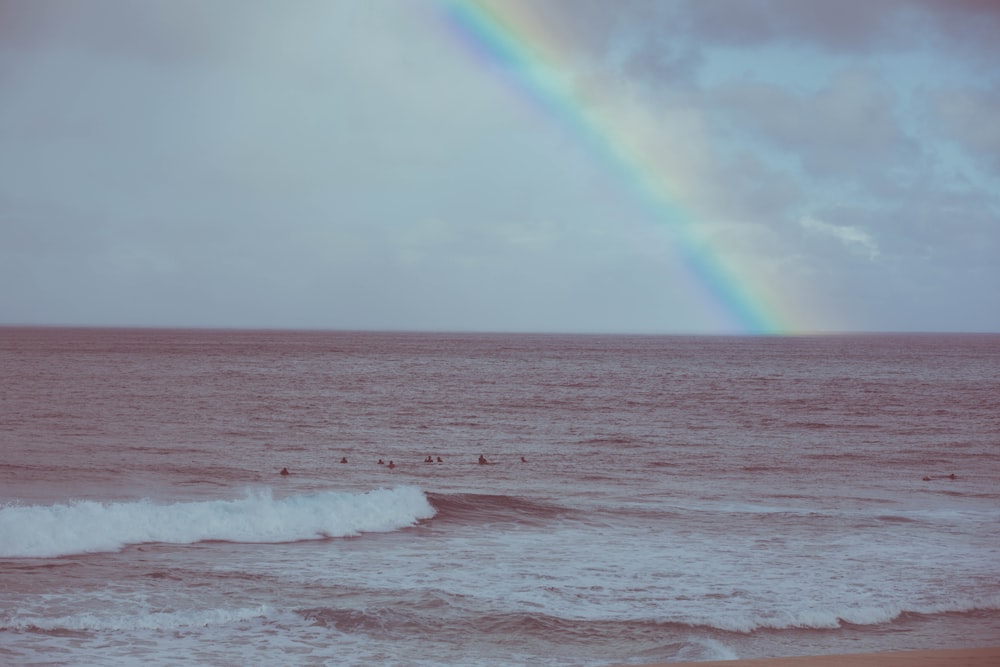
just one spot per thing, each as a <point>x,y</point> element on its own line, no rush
<point>159,621</point>
<point>830,619</point>
<point>405,620</point>
<point>42,531</point>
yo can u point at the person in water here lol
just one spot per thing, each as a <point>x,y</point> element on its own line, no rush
<point>391,464</point>
<point>284,471</point>
<point>439,460</point>
<point>381,462</point>
<point>482,460</point>
<point>343,460</point>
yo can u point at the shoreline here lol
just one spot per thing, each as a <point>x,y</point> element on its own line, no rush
<point>962,657</point>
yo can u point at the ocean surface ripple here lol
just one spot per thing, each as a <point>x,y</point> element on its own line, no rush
<point>642,499</point>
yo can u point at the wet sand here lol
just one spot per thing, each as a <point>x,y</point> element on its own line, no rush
<point>972,657</point>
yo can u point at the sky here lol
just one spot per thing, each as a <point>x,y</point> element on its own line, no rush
<point>636,166</point>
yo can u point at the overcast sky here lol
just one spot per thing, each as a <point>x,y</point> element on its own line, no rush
<point>361,165</point>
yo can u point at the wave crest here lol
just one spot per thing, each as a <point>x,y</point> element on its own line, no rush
<point>157,621</point>
<point>487,508</point>
<point>43,531</point>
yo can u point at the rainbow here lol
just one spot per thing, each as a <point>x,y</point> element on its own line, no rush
<point>515,40</point>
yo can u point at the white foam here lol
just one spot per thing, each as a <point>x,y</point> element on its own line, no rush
<point>87,526</point>
<point>161,621</point>
<point>700,649</point>
<point>746,621</point>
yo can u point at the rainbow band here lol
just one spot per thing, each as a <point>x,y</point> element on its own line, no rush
<point>516,41</point>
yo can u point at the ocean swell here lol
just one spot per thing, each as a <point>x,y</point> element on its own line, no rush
<point>489,508</point>
<point>43,531</point>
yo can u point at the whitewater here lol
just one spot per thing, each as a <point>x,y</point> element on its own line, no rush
<point>89,526</point>
<point>646,498</point>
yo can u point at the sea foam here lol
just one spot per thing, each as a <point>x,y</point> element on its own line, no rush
<point>132,622</point>
<point>833,619</point>
<point>42,531</point>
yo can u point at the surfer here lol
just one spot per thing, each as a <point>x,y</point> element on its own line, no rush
<point>284,471</point>
<point>482,460</point>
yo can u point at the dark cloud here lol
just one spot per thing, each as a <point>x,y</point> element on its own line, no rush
<point>664,37</point>
<point>340,164</point>
<point>158,30</point>
<point>827,131</point>
<point>971,118</point>
<point>850,25</point>
<point>968,27</point>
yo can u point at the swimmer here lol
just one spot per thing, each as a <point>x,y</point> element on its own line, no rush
<point>524,460</point>
<point>482,460</point>
<point>381,462</point>
<point>391,464</point>
<point>439,460</point>
<point>284,471</point>
<point>343,460</point>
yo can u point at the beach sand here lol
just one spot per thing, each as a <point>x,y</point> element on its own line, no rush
<point>972,657</point>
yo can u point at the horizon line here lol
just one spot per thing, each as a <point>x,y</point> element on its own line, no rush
<point>491,332</point>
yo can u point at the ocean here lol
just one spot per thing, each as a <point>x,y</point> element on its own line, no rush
<point>646,498</point>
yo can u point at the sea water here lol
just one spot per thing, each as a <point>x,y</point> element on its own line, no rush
<point>646,498</point>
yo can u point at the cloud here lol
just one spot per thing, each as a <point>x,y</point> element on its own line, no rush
<point>969,116</point>
<point>850,25</point>
<point>826,131</point>
<point>346,165</point>
<point>854,239</point>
